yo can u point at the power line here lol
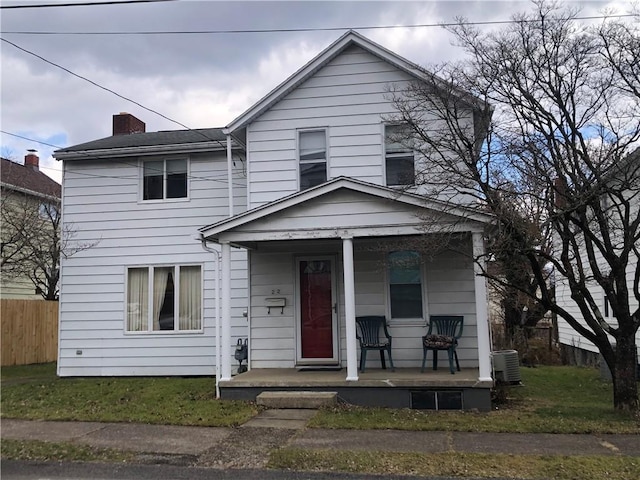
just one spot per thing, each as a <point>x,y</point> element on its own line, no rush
<point>214,178</point>
<point>111,91</point>
<point>199,132</point>
<point>81,4</point>
<point>309,29</point>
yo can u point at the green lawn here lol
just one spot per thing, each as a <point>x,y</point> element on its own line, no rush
<point>34,392</point>
<point>464,465</point>
<point>551,400</point>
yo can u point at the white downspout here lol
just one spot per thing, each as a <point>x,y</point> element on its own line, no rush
<point>217,288</point>
<point>230,174</point>
<point>226,312</point>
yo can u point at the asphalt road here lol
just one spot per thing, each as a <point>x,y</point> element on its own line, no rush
<point>20,470</point>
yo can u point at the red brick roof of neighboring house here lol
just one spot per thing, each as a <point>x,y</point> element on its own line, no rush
<point>27,178</point>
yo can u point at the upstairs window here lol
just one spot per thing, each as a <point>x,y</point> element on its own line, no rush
<point>399,157</point>
<point>164,179</point>
<point>312,147</point>
<point>405,284</point>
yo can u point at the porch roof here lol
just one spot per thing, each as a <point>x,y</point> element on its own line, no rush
<point>345,207</point>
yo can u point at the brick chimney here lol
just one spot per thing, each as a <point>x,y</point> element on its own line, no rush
<point>31,160</point>
<point>125,124</point>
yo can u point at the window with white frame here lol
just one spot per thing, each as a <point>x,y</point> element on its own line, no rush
<point>405,284</point>
<point>164,179</point>
<point>399,157</point>
<point>164,298</point>
<point>312,147</point>
<point>49,211</point>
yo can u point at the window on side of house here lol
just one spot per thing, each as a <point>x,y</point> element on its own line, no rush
<point>164,298</point>
<point>608,312</point>
<point>164,179</point>
<point>48,211</point>
<point>312,147</point>
<point>399,158</point>
<point>405,284</point>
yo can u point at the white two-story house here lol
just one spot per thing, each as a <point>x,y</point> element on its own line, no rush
<point>283,227</point>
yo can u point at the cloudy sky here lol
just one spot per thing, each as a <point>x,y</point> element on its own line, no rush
<point>200,80</point>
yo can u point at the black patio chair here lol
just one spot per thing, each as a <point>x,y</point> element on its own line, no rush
<point>368,334</point>
<point>444,332</point>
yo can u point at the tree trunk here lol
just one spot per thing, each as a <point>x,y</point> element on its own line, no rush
<point>512,320</point>
<point>624,374</point>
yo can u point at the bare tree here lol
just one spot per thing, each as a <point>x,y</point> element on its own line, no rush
<point>34,239</point>
<point>546,144</point>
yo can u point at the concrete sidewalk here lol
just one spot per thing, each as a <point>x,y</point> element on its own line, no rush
<point>249,445</point>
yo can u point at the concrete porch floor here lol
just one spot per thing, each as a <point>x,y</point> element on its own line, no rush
<point>404,388</point>
<point>377,378</point>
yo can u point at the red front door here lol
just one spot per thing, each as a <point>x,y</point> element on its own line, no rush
<point>316,309</point>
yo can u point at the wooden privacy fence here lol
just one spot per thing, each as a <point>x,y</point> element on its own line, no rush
<point>29,331</point>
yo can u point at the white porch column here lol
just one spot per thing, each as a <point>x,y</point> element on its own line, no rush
<point>225,347</point>
<point>482,315</point>
<point>350,308</point>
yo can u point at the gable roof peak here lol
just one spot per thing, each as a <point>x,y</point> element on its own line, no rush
<point>345,40</point>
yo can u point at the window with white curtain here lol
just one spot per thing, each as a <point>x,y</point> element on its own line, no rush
<point>164,298</point>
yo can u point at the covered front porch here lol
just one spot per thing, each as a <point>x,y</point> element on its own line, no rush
<point>376,387</point>
<point>319,259</point>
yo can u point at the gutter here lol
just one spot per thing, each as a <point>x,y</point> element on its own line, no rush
<point>29,192</point>
<point>105,153</point>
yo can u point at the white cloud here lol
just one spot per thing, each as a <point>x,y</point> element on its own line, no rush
<point>199,80</point>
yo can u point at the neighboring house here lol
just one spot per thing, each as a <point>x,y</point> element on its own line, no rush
<point>579,349</point>
<point>310,186</point>
<point>27,196</point>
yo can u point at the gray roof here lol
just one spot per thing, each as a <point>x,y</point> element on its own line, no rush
<point>151,139</point>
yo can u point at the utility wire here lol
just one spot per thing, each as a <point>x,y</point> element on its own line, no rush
<point>89,153</point>
<point>309,29</point>
<point>112,91</point>
<point>80,4</point>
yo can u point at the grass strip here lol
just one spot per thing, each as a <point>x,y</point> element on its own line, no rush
<point>552,400</point>
<point>457,464</point>
<point>168,401</point>
<point>57,451</point>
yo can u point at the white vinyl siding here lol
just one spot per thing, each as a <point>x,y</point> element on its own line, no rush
<point>450,287</point>
<point>101,203</point>
<point>566,334</point>
<point>355,210</point>
<point>348,97</point>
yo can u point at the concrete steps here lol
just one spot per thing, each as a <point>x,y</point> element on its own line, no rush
<point>297,400</point>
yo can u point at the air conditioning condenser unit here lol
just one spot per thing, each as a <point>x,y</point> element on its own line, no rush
<point>506,366</point>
